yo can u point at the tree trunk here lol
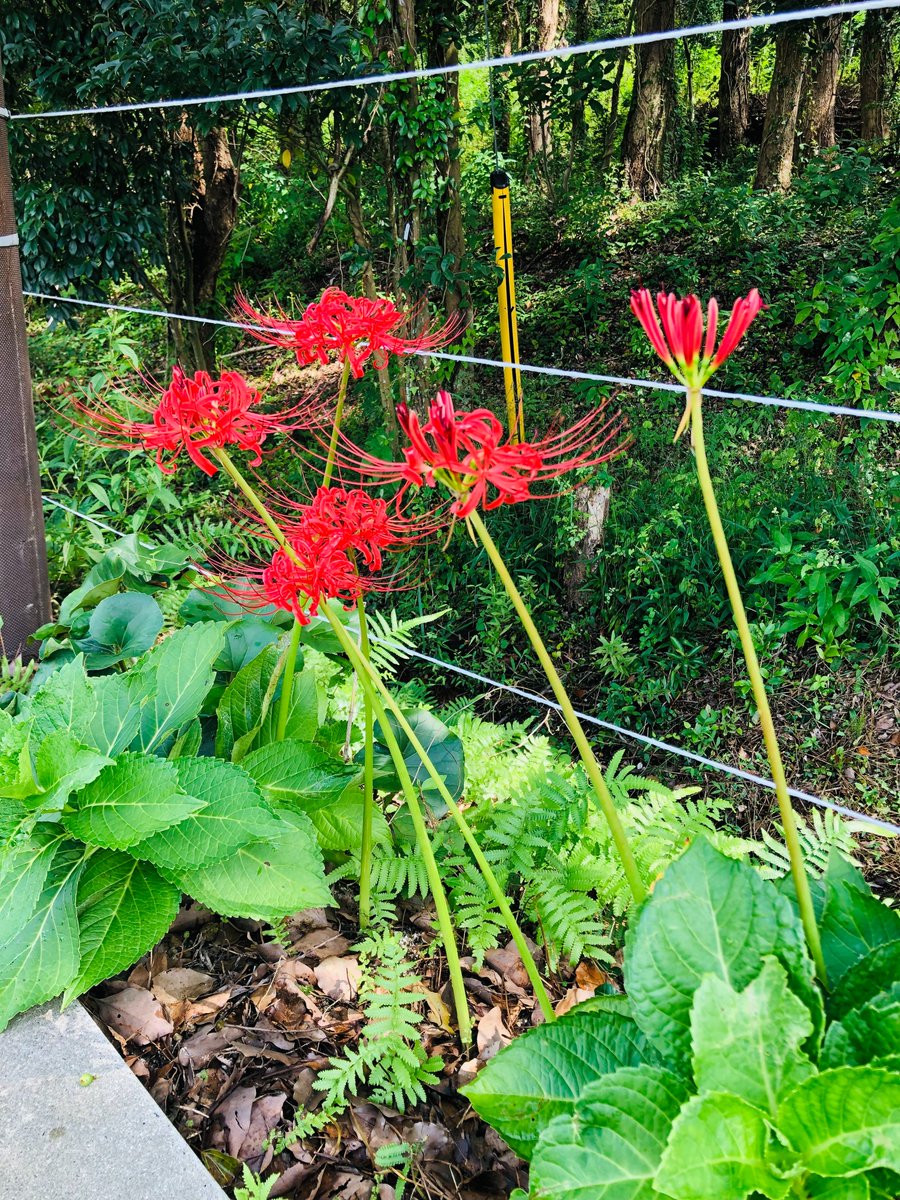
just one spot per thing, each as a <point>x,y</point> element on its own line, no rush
<point>734,80</point>
<point>540,136</point>
<point>874,68</point>
<point>776,154</point>
<point>825,66</point>
<point>612,120</point>
<point>451,230</point>
<point>652,100</point>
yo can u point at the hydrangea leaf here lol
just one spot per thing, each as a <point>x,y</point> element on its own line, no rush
<point>854,921</point>
<point>232,815</point>
<point>611,1147</point>
<point>717,1150</point>
<point>264,880</point>
<point>542,1073</point>
<point>298,775</point>
<point>708,915</point>
<point>124,908</point>
<point>748,1043</point>
<point>129,800</point>
<point>869,1032</point>
<point>175,676</point>
<point>845,1121</point>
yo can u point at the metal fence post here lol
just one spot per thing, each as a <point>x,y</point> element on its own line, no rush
<point>24,583</point>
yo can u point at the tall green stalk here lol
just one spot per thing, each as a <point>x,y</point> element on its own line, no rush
<point>365,670</point>
<point>773,751</point>
<point>287,684</point>
<point>435,883</point>
<point>365,865</point>
<point>336,430</point>
<point>588,758</point>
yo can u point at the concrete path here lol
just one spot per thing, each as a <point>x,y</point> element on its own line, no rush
<point>61,1140</point>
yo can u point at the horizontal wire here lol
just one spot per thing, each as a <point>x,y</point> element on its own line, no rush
<point>536,698</point>
<point>837,410</point>
<point>656,743</point>
<point>529,56</point>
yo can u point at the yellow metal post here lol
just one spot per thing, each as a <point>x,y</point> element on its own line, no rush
<point>506,299</point>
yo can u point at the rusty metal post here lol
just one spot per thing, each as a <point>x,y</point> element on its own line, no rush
<point>24,583</point>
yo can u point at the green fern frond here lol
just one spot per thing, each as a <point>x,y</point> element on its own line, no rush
<point>571,923</point>
<point>820,834</point>
<point>391,638</point>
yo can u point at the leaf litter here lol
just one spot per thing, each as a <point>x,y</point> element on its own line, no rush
<point>229,1031</point>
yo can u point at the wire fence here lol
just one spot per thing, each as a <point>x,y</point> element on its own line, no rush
<point>837,410</point>
<point>500,61</point>
<point>876,823</point>
<point>506,61</point>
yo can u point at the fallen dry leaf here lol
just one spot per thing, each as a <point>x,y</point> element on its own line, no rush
<point>135,1014</point>
<point>181,983</point>
<point>321,943</point>
<point>589,975</point>
<point>492,1034</point>
<point>339,977</point>
<point>230,1120</point>
<point>199,1051</point>
<point>575,995</point>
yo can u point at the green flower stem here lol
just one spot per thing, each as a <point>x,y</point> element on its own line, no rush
<point>365,867</point>
<point>287,685</point>
<point>336,431</point>
<point>364,666</point>
<point>576,729</point>
<point>788,821</point>
<point>415,811</point>
<point>229,466</point>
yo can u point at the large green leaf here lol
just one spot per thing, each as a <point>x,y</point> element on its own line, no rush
<point>17,777</point>
<point>264,880</point>
<point>23,871</point>
<point>232,815</point>
<point>102,580</point>
<point>116,715</point>
<point>121,626</point>
<point>244,640</point>
<point>63,765</point>
<point>175,677</point>
<point>865,979</point>
<point>708,915</point>
<point>845,1121</point>
<point>129,800</point>
<point>299,775</point>
<point>854,922</point>
<point>42,953</point>
<point>855,1188</point>
<point>124,908</point>
<point>441,744</point>
<point>64,701</point>
<point>869,1032</point>
<point>244,705</point>
<point>748,1043</point>
<point>305,715</point>
<point>718,1151</point>
<point>542,1073</point>
<point>339,827</point>
<point>611,1147</point>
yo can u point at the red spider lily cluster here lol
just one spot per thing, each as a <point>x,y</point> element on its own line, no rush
<point>678,343</point>
<point>346,329</point>
<point>472,456</point>
<point>195,415</point>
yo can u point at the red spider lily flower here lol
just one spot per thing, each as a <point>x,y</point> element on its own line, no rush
<point>351,329</point>
<point>301,575</point>
<point>681,344</point>
<point>196,415</point>
<point>471,455</point>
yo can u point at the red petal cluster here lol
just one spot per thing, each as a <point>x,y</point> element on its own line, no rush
<point>196,415</point>
<point>352,329</point>
<point>301,575</point>
<point>680,343</point>
<point>471,455</point>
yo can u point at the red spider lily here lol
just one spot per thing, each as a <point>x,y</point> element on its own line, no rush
<point>301,575</point>
<point>352,329</point>
<point>681,338</point>
<point>197,415</point>
<point>472,456</point>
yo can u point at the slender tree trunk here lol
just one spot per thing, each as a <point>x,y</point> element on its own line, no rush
<point>612,121</point>
<point>874,72</point>
<point>540,136</point>
<point>510,41</point>
<point>451,230</point>
<point>652,100</point>
<point>825,66</point>
<point>776,155</point>
<point>734,80</point>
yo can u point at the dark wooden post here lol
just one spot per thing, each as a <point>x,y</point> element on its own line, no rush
<point>24,583</point>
